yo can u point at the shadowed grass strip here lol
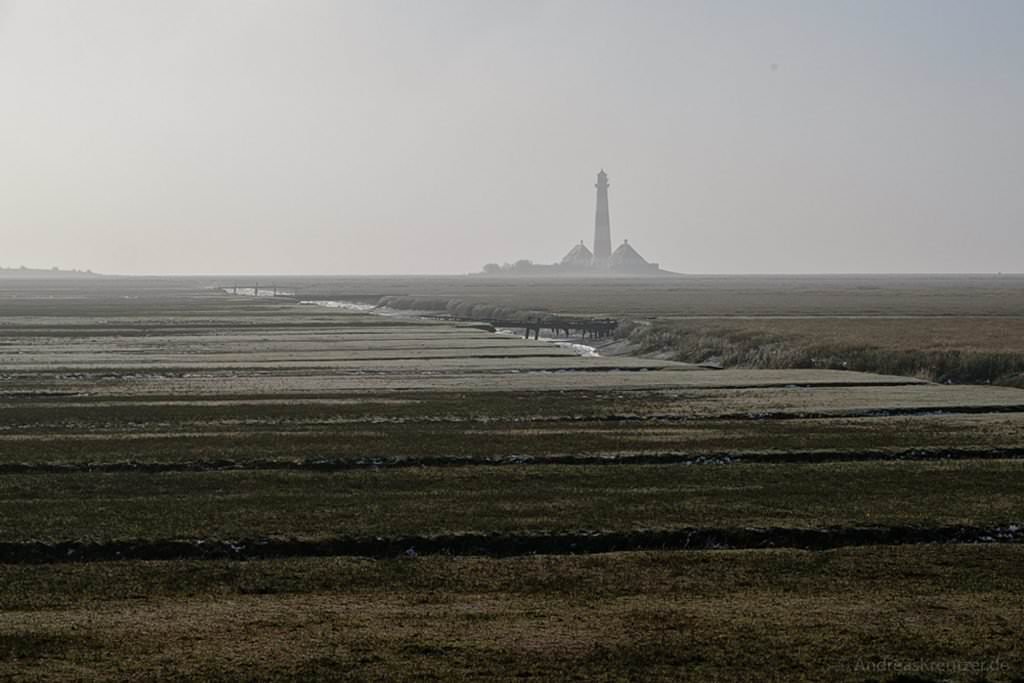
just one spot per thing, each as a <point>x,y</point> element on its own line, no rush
<point>530,499</point>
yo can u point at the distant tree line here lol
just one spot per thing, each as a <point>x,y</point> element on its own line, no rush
<point>520,266</point>
<point>53,269</point>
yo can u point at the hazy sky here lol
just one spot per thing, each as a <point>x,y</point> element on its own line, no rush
<point>432,136</point>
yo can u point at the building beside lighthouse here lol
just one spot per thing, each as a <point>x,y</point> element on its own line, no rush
<point>581,260</point>
<point>625,259</point>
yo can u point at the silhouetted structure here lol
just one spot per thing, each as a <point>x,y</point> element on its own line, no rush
<point>625,260</point>
<point>602,223</point>
<point>578,257</point>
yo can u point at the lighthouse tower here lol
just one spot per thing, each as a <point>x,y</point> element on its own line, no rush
<point>602,224</point>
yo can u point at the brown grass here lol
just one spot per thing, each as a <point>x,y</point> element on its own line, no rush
<point>955,350</point>
<point>522,499</point>
<point>764,615</point>
<point>920,295</point>
<point>757,615</point>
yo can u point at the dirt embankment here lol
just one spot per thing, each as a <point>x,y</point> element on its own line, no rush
<point>400,462</point>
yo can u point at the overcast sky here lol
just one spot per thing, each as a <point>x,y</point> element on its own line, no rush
<point>432,136</point>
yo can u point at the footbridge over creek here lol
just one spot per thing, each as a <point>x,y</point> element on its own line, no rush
<point>584,328</point>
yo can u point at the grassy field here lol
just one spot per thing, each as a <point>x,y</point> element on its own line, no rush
<point>844,615</point>
<point>429,425</point>
<point>960,329</point>
<point>522,499</point>
<point>145,411</point>
<point>692,295</point>
<point>961,350</point>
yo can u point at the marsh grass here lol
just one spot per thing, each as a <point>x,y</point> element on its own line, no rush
<point>630,616</point>
<point>727,615</point>
<point>580,439</point>
<point>960,351</point>
<point>23,645</point>
<point>524,499</point>
<point>425,425</point>
<point>807,295</point>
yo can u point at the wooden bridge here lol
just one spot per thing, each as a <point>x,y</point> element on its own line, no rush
<point>584,328</point>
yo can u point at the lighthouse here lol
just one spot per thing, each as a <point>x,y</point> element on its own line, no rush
<point>580,261</point>
<point>602,224</point>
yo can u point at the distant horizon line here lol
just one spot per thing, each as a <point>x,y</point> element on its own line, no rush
<point>43,272</point>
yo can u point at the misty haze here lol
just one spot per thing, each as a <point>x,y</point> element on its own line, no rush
<point>467,339</point>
